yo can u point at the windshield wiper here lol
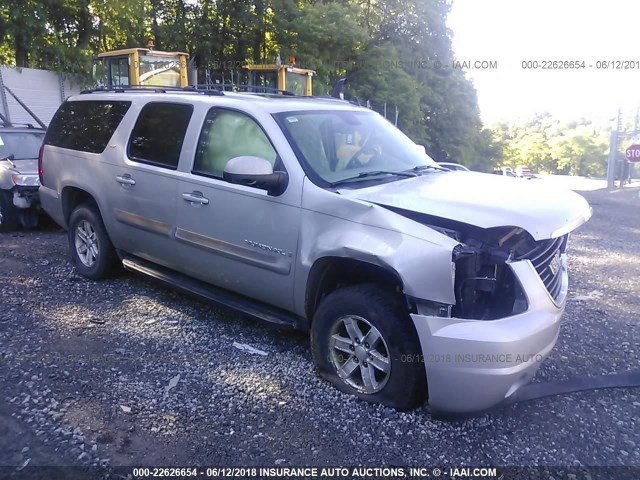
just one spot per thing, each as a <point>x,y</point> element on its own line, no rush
<point>371,174</point>
<point>419,168</point>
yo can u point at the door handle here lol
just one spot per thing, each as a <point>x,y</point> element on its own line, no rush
<point>195,197</point>
<point>125,180</point>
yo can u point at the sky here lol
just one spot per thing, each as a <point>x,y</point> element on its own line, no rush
<point>510,32</point>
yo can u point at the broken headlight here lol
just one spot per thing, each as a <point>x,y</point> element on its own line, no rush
<point>485,286</point>
<point>22,180</point>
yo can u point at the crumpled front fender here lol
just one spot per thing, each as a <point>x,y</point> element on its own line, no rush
<point>336,226</point>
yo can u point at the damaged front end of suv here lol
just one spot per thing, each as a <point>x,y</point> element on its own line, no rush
<point>485,329</point>
<point>510,291</point>
<point>486,288</point>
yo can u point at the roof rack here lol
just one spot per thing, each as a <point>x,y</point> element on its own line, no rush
<point>205,89</point>
<point>145,89</point>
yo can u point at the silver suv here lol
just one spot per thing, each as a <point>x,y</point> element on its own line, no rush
<point>415,282</point>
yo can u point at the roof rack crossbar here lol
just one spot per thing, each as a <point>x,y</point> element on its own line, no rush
<point>204,89</point>
<point>146,89</point>
<point>122,88</point>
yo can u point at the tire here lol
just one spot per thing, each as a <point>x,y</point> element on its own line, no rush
<point>29,219</point>
<point>9,212</point>
<point>389,370</point>
<point>91,248</point>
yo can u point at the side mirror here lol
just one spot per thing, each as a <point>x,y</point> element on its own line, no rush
<point>421,149</point>
<point>255,172</point>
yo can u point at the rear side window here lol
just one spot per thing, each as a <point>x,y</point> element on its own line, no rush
<point>159,133</point>
<point>86,126</point>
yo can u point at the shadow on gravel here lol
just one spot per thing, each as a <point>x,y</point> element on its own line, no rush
<point>97,358</point>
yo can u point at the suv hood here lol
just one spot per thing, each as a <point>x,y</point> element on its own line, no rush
<point>483,200</point>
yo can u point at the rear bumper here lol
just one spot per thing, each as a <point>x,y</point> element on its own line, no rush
<point>473,365</point>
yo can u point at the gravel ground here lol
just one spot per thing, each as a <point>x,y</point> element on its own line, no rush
<point>125,372</point>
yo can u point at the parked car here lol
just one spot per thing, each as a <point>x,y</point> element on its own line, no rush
<point>524,172</point>
<point>320,215</point>
<point>453,166</point>
<point>19,204</point>
<point>505,172</point>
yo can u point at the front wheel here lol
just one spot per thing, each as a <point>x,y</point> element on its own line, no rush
<point>364,343</point>
<point>89,242</point>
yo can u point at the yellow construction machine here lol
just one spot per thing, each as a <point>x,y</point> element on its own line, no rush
<point>149,67</point>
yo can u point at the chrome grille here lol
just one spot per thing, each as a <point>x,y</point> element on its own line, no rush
<point>545,257</point>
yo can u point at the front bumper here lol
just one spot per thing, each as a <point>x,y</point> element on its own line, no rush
<point>26,197</point>
<point>473,365</point>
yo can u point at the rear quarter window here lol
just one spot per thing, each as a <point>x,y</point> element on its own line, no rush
<point>86,126</point>
<point>158,134</point>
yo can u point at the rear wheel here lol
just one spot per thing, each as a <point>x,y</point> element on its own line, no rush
<point>8,212</point>
<point>364,343</point>
<point>90,245</point>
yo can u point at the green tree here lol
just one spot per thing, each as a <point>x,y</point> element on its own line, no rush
<point>544,144</point>
<point>63,35</point>
<point>22,31</point>
<point>386,49</point>
<point>580,151</point>
<point>438,107</point>
<point>328,38</point>
<point>376,78</point>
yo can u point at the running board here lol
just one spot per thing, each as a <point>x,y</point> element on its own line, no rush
<point>205,291</point>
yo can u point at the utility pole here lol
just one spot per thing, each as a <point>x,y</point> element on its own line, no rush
<point>612,164</point>
<point>636,125</point>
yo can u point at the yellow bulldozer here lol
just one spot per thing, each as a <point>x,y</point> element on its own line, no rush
<point>149,67</point>
<point>285,77</point>
<point>142,66</point>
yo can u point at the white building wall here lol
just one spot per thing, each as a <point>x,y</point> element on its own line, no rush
<point>41,90</point>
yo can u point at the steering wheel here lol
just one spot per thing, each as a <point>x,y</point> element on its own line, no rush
<point>353,161</point>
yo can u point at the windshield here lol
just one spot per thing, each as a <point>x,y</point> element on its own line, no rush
<point>296,83</point>
<point>340,145</point>
<point>161,71</point>
<point>269,80</point>
<point>22,145</point>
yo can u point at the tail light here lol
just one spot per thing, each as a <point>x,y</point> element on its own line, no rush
<point>40,169</point>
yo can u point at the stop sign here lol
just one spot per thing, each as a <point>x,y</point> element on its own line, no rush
<point>633,153</point>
